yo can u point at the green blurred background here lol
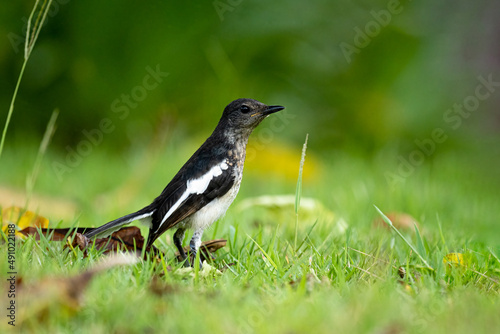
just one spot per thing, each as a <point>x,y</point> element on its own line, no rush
<point>392,91</point>
<point>365,79</point>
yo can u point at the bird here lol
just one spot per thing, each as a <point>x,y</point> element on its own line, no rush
<point>205,186</point>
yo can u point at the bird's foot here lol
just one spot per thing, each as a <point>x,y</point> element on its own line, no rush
<point>192,259</point>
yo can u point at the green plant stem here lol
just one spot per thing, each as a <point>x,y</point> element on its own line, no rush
<point>31,37</point>
<point>11,108</point>
<point>298,191</point>
<point>49,131</point>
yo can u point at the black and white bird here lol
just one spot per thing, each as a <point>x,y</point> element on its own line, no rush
<point>204,188</point>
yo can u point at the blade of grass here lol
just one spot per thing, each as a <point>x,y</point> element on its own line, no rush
<point>388,222</point>
<point>298,190</point>
<point>493,254</point>
<point>307,235</point>
<point>31,37</point>
<point>347,239</point>
<point>420,241</point>
<point>264,252</point>
<point>196,267</point>
<point>441,234</point>
<point>49,132</point>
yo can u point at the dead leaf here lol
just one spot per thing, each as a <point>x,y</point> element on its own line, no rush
<point>79,240</point>
<point>54,234</point>
<point>281,208</point>
<point>127,239</point>
<point>415,275</point>
<point>161,288</point>
<point>401,272</point>
<point>61,294</point>
<point>206,248</point>
<point>400,220</point>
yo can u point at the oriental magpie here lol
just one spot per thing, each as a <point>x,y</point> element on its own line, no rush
<point>204,188</point>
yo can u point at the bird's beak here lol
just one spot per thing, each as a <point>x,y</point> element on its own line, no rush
<point>272,109</point>
<point>268,111</point>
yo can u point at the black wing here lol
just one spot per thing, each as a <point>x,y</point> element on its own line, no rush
<point>217,187</point>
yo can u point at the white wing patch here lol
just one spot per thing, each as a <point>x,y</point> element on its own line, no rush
<point>196,186</point>
<point>142,216</point>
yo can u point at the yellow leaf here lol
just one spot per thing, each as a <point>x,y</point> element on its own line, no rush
<point>22,219</point>
<point>281,208</point>
<point>455,259</point>
<point>280,160</point>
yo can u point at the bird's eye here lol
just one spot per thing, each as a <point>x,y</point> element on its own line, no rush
<point>245,109</point>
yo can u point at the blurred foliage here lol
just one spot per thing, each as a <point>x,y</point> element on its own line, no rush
<point>393,90</point>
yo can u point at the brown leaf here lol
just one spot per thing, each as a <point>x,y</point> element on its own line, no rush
<point>212,246</point>
<point>54,234</point>
<point>206,249</point>
<point>79,240</point>
<point>61,294</point>
<point>400,220</point>
<point>127,239</point>
<point>414,275</point>
<point>160,288</point>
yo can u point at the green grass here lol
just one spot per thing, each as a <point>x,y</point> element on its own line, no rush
<point>330,282</point>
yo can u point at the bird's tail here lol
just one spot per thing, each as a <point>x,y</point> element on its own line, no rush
<point>116,224</point>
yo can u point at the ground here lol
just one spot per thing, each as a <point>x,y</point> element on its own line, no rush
<point>329,269</point>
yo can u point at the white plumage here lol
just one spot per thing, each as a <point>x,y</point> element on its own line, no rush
<point>197,186</point>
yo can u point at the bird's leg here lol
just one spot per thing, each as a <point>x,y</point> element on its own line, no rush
<point>178,238</point>
<point>195,244</point>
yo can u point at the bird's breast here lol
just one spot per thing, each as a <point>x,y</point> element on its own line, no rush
<point>236,156</point>
<point>214,210</point>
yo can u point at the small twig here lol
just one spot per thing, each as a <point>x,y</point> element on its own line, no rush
<point>373,257</point>
<point>483,275</point>
<point>367,272</point>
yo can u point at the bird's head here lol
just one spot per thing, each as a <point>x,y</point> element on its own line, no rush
<point>246,114</point>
